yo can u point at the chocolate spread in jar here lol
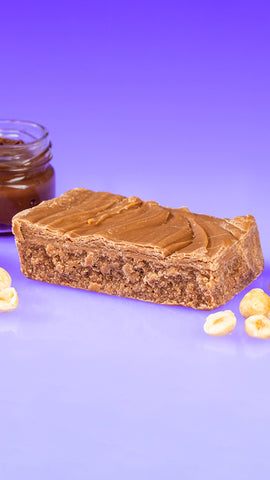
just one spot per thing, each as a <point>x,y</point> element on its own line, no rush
<point>26,177</point>
<point>10,141</point>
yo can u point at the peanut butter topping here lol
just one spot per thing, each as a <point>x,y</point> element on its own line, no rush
<point>119,219</point>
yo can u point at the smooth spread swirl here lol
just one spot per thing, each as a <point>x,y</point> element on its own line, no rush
<point>82,212</point>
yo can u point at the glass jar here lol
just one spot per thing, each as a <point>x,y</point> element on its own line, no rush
<point>26,176</point>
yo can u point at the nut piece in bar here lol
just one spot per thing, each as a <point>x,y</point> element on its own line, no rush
<point>128,247</point>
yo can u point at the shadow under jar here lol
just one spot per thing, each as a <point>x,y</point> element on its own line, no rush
<point>26,176</point>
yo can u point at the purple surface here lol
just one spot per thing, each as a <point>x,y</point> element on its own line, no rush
<point>170,102</point>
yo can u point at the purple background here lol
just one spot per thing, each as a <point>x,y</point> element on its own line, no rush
<point>169,101</point>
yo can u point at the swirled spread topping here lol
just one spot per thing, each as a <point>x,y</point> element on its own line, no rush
<point>167,231</point>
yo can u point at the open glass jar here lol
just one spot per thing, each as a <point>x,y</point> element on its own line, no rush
<point>26,176</point>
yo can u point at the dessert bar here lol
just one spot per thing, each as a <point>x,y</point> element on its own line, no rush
<point>132,248</point>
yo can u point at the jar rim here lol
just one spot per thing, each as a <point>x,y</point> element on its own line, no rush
<point>43,130</point>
